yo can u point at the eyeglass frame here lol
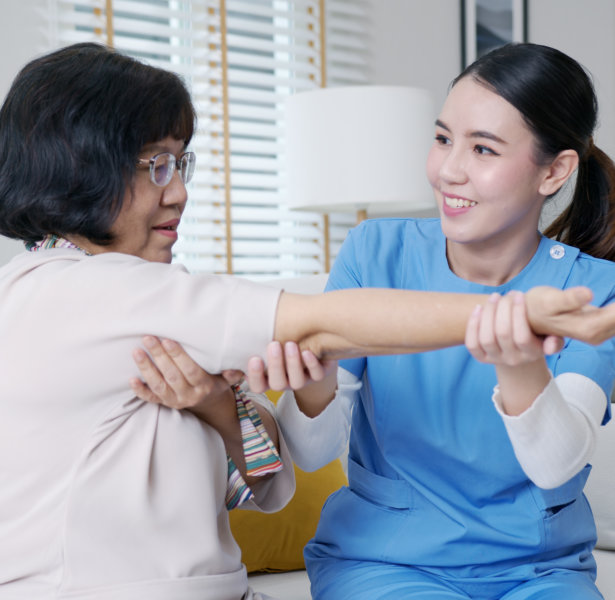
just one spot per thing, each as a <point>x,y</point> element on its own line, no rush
<point>176,163</point>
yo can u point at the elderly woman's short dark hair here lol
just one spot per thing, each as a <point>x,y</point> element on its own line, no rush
<point>71,129</point>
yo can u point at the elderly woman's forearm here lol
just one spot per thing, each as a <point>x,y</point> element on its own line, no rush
<point>357,322</point>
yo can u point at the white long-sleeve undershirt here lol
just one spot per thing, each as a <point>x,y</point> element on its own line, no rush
<point>552,440</point>
<point>556,436</point>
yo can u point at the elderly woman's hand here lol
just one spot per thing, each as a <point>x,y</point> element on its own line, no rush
<point>567,313</point>
<point>173,379</point>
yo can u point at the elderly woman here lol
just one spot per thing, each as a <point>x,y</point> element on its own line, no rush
<point>105,496</point>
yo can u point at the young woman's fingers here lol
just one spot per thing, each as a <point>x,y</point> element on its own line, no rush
<point>295,369</point>
<point>504,328</point>
<point>287,367</point>
<point>552,344</point>
<point>472,332</point>
<point>255,375</point>
<point>486,335</point>
<point>276,367</point>
<point>524,338</point>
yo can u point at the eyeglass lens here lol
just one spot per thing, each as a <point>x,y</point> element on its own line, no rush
<point>163,166</point>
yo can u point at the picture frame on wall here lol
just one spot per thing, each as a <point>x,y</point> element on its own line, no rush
<point>488,24</point>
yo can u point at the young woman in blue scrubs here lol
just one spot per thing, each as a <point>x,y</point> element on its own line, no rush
<point>466,465</point>
<point>465,479</point>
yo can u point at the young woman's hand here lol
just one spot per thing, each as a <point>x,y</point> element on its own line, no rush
<point>287,368</point>
<point>499,332</point>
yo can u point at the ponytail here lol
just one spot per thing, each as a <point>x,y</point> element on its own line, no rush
<point>588,222</point>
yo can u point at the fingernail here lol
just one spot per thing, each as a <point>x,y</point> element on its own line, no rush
<point>168,344</point>
<point>149,341</point>
<point>254,363</point>
<point>477,310</point>
<point>291,349</point>
<point>495,297</point>
<point>308,357</point>
<point>275,349</point>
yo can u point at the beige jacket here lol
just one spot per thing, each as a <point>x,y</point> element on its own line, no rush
<point>105,496</point>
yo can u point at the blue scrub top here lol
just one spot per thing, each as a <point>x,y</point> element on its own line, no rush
<point>434,481</point>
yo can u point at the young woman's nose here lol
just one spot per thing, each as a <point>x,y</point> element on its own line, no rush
<point>453,166</point>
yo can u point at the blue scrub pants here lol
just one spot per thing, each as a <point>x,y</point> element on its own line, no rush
<point>333,579</point>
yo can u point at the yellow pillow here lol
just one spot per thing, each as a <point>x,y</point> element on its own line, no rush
<point>274,542</point>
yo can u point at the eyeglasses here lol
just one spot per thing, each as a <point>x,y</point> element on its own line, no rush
<point>162,166</point>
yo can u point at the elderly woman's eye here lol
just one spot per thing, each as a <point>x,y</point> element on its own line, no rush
<point>161,171</point>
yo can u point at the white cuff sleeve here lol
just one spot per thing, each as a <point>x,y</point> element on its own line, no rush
<point>315,442</point>
<point>556,436</point>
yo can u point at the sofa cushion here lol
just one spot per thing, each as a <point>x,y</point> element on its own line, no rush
<point>275,541</point>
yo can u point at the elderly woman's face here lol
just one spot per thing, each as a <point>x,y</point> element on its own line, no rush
<point>147,224</point>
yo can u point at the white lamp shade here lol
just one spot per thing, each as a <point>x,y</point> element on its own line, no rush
<point>359,147</point>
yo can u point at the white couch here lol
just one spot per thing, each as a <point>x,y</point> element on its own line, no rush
<point>600,491</point>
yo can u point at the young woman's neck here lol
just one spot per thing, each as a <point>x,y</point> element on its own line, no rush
<point>491,262</point>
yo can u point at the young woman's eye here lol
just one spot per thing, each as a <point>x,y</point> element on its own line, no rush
<point>480,149</point>
<point>442,139</point>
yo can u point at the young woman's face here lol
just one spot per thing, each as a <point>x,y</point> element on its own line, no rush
<point>482,170</point>
<point>148,221</point>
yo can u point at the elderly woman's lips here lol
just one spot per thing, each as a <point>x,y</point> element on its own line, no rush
<point>168,229</point>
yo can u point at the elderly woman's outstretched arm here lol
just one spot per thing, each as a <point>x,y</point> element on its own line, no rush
<point>347,323</point>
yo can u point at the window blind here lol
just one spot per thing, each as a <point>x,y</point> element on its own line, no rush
<point>240,59</point>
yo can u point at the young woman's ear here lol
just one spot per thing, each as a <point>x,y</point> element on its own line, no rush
<point>559,171</point>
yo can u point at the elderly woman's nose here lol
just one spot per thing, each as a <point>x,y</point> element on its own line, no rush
<point>175,192</point>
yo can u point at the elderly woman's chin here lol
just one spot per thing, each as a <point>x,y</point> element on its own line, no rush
<point>162,255</point>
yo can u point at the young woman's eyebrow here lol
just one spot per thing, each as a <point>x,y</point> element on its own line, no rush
<point>475,134</point>
<point>487,135</point>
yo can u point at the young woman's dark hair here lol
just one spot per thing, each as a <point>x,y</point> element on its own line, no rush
<point>71,128</point>
<point>556,97</point>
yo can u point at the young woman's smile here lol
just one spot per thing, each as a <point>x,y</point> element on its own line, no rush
<point>455,205</point>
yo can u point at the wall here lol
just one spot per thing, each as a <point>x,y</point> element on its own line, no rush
<point>23,35</point>
<point>416,43</point>
<point>584,30</point>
